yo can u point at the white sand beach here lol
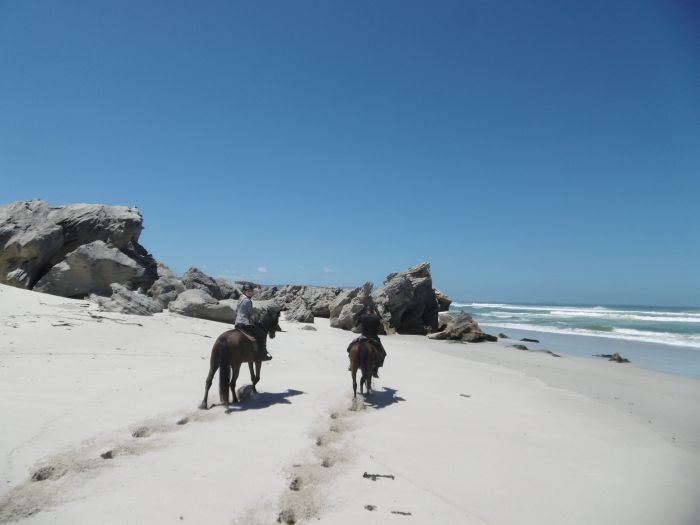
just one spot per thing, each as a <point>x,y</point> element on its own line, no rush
<point>101,410</point>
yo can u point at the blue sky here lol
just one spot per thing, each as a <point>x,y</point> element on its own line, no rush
<point>530,151</point>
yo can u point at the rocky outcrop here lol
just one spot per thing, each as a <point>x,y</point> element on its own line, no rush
<point>133,250</point>
<point>463,328</point>
<point>198,303</point>
<point>348,303</point>
<point>127,301</point>
<point>407,301</point>
<point>195,279</point>
<point>228,289</point>
<point>28,239</point>
<point>72,250</point>
<point>167,287</point>
<point>317,299</point>
<point>299,311</point>
<point>265,293</point>
<point>90,269</point>
<point>443,301</point>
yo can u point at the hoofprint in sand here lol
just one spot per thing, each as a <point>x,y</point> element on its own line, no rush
<point>100,425</point>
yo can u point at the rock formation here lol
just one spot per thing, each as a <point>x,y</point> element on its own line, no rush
<point>195,279</point>
<point>198,303</point>
<point>463,328</point>
<point>126,301</point>
<point>408,302</point>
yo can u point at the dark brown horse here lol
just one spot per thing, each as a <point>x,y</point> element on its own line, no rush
<point>230,350</point>
<point>363,355</point>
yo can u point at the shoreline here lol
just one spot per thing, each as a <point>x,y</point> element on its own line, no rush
<point>670,359</point>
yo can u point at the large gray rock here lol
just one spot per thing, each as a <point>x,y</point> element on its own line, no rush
<point>91,268</point>
<point>127,301</point>
<point>347,304</point>
<point>167,287</point>
<point>28,239</point>
<point>34,236</point>
<point>407,301</point>
<point>86,223</point>
<point>299,311</point>
<point>463,328</point>
<point>265,293</point>
<point>443,301</point>
<point>318,299</point>
<point>138,253</point>
<point>195,279</point>
<point>228,289</point>
<point>198,303</point>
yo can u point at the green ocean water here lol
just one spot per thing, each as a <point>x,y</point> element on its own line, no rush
<point>665,339</point>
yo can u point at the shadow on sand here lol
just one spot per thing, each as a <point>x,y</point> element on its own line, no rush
<point>250,401</point>
<point>383,398</point>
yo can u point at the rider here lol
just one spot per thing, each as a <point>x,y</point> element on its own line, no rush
<point>370,324</point>
<point>244,322</point>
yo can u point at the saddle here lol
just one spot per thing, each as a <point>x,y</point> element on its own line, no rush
<point>361,339</point>
<point>250,338</point>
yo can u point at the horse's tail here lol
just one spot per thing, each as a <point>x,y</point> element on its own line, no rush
<point>224,371</point>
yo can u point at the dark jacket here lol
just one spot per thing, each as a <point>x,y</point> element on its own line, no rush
<point>370,325</point>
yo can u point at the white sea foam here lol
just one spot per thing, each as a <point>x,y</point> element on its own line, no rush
<point>664,338</point>
<point>596,312</point>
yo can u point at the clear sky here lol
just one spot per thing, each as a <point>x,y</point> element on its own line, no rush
<point>539,151</point>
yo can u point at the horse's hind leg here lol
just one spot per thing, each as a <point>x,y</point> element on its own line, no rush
<point>207,385</point>
<point>254,375</point>
<point>354,382</point>
<point>234,377</point>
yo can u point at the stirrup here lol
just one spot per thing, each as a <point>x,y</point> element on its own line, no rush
<point>264,357</point>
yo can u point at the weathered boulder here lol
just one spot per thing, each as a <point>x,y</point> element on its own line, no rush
<point>317,298</point>
<point>228,289</point>
<point>28,239</point>
<point>443,301</point>
<point>299,311</point>
<point>195,279</point>
<point>265,293</point>
<point>91,268</point>
<point>443,321</point>
<point>85,223</point>
<point>167,287</point>
<point>138,253</point>
<point>348,303</point>
<point>198,303</point>
<point>35,237</point>
<point>127,301</point>
<point>407,301</point>
<point>463,328</point>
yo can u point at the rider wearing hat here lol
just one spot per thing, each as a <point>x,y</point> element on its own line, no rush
<point>244,322</point>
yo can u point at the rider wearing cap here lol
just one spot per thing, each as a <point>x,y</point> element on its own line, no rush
<point>244,322</point>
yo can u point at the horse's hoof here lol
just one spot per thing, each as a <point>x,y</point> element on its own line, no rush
<point>203,406</point>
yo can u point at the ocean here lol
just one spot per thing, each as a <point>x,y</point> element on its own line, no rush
<point>665,339</point>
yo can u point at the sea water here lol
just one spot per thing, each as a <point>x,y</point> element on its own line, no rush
<point>665,339</point>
